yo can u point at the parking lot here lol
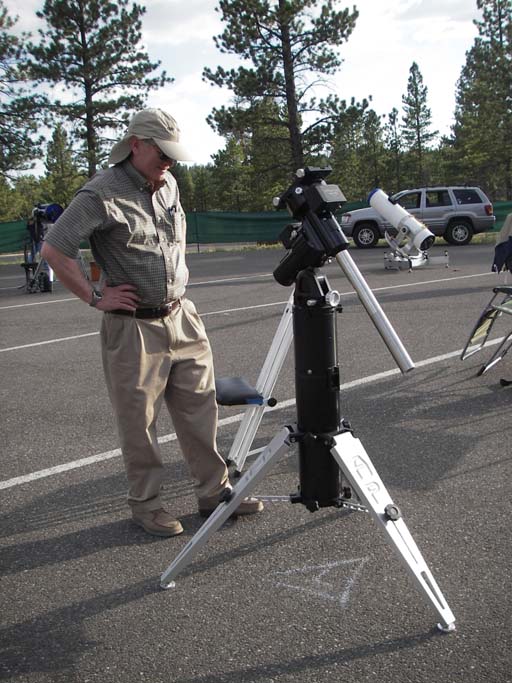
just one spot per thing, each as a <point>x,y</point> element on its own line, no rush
<point>289,596</point>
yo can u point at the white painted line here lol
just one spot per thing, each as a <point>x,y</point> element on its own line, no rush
<point>190,284</point>
<point>50,341</point>
<point>39,303</point>
<point>212,282</point>
<point>100,457</point>
<point>229,279</point>
<point>227,311</point>
<point>91,460</point>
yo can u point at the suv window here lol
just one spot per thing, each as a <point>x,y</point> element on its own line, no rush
<point>467,197</point>
<point>411,200</point>
<point>437,198</point>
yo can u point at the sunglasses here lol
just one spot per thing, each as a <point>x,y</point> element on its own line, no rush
<point>161,155</point>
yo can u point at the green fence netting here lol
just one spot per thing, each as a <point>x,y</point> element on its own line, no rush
<point>501,211</point>
<point>214,227</point>
<point>220,227</point>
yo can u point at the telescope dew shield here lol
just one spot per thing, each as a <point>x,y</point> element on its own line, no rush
<point>317,382</point>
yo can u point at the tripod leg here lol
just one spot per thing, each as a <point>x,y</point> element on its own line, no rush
<point>279,445</point>
<point>354,462</point>
<point>265,384</point>
<point>498,355</point>
<point>81,263</point>
<point>33,285</point>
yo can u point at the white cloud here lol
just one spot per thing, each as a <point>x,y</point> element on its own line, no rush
<point>389,35</point>
<point>168,24</point>
<point>181,101</point>
<point>448,10</point>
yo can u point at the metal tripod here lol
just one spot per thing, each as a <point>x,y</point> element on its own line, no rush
<point>265,385</point>
<point>330,456</point>
<point>39,277</point>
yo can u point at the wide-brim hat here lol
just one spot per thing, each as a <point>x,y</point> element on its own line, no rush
<point>156,125</point>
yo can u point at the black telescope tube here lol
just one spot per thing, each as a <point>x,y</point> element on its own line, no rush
<point>317,385</point>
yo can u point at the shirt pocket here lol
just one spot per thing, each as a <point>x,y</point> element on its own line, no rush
<point>175,225</point>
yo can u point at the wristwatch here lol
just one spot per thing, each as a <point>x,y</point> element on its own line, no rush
<point>96,297</point>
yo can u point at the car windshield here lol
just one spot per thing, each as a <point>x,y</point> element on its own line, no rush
<point>396,197</point>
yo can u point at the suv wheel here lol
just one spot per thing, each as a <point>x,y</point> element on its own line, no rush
<point>365,235</point>
<point>459,232</point>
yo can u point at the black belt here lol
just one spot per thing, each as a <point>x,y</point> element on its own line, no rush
<point>150,313</point>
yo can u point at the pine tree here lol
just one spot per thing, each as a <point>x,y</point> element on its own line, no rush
<point>373,148</point>
<point>202,178</point>
<point>185,186</point>
<point>394,146</point>
<point>483,116</point>
<point>92,49</point>
<point>230,180</point>
<point>345,154</point>
<point>417,121</point>
<point>62,173</point>
<point>19,143</point>
<point>288,45</point>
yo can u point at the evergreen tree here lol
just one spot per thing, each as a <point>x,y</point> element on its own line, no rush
<point>19,196</point>
<point>372,151</point>
<point>62,174</point>
<point>483,116</point>
<point>345,153</point>
<point>18,121</point>
<point>266,158</point>
<point>92,48</point>
<point>287,45</point>
<point>261,153</point>
<point>230,179</point>
<point>185,186</point>
<point>417,121</point>
<point>202,177</point>
<point>393,140</point>
<point>9,210</point>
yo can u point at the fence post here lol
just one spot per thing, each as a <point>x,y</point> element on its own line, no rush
<point>196,228</point>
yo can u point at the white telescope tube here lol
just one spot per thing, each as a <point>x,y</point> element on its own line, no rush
<point>409,228</point>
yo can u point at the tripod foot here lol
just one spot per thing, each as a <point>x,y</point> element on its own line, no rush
<point>168,585</point>
<point>449,628</point>
<point>358,469</point>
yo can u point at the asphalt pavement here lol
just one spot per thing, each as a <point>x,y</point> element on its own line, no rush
<point>287,596</point>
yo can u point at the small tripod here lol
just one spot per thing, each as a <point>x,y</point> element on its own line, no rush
<point>332,462</point>
<point>39,277</point>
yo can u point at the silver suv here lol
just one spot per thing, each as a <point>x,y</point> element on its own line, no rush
<point>455,213</point>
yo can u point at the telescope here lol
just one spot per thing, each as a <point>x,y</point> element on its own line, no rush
<point>412,235</point>
<point>47,213</point>
<point>317,237</point>
<point>333,463</point>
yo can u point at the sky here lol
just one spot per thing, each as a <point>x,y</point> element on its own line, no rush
<point>388,37</point>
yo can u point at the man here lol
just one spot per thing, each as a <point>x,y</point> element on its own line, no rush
<point>154,345</point>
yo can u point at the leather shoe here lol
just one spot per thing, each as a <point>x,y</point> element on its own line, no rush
<point>157,522</point>
<point>248,506</point>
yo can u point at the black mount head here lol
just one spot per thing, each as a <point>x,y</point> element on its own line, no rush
<point>316,236</point>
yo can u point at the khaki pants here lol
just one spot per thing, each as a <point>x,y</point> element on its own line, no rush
<point>149,361</point>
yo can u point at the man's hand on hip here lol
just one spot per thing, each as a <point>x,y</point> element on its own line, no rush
<point>121,296</point>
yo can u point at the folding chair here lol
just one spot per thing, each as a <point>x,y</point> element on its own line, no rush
<point>499,305</point>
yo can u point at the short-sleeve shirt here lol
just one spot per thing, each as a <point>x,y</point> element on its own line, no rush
<point>137,235</point>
